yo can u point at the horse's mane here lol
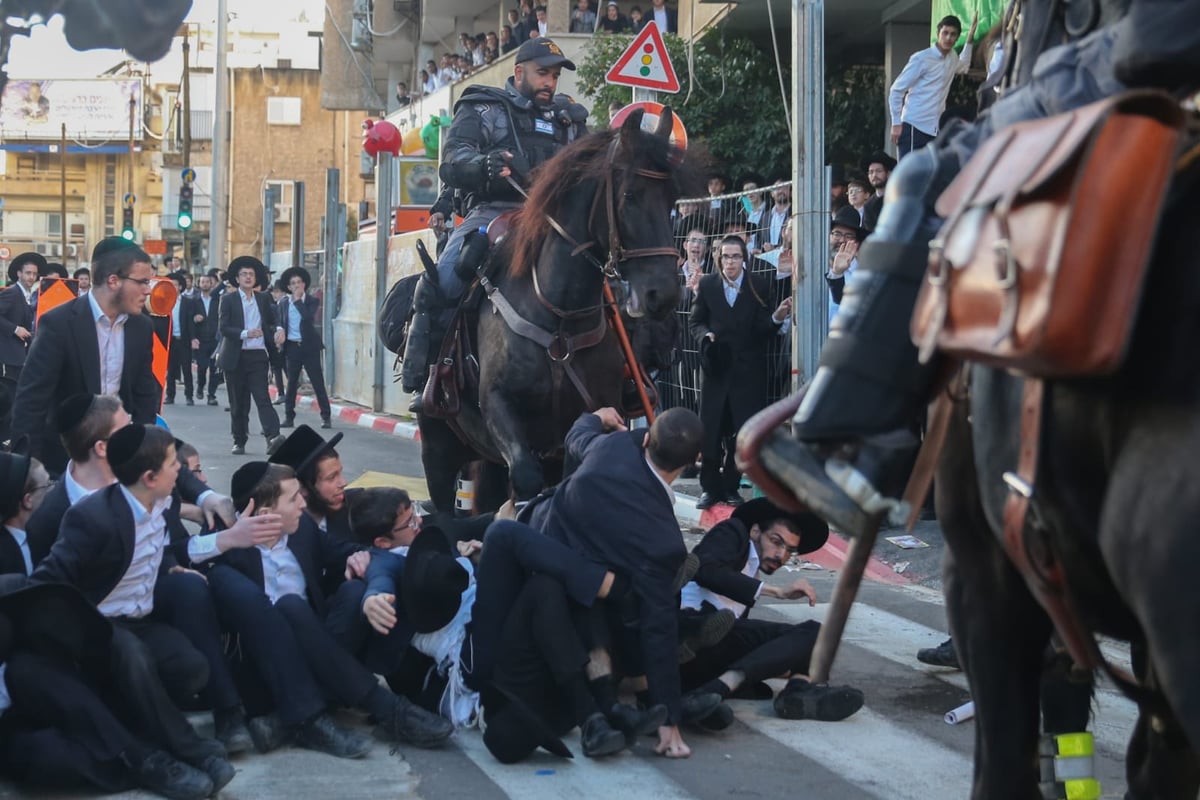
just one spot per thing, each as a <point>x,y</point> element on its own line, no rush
<point>584,160</point>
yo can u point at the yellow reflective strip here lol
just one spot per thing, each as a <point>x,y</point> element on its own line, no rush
<point>1075,744</point>
<point>1088,789</point>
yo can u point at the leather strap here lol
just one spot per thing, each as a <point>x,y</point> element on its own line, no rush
<point>940,414</point>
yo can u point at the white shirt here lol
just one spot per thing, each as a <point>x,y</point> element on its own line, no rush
<point>5,700</point>
<point>293,322</point>
<point>27,292</point>
<point>133,595</point>
<point>660,16</point>
<point>75,492</point>
<point>431,85</point>
<point>253,320</point>
<point>778,220</point>
<point>693,594</point>
<point>176,332</point>
<point>207,301</point>
<point>666,486</point>
<point>918,95</point>
<point>110,338</point>
<point>541,28</point>
<point>281,571</point>
<point>22,541</point>
<point>732,288</point>
<point>835,307</point>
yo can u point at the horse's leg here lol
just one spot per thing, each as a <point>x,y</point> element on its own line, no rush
<point>999,630</point>
<point>524,471</point>
<point>442,456</point>
<point>1160,764</point>
<point>491,486</point>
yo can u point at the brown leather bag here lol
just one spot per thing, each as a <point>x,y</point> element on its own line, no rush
<point>1048,234</point>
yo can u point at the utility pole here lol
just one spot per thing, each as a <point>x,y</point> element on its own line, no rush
<point>811,192</point>
<point>220,148</point>
<point>187,133</point>
<point>62,187</point>
<point>129,174</point>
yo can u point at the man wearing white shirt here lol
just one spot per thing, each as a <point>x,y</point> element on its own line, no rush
<point>179,360</point>
<point>918,95</point>
<point>23,485</point>
<point>667,18</point>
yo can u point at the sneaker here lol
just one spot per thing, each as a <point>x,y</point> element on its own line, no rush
<point>219,771</point>
<point>687,570</point>
<point>800,699</point>
<point>410,723</point>
<point>168,401</point>
<point>325,423</point>
<point>267,732</point>
<point>698,631</point>
<point>943,655</point>
<point>229,728</point>
<point>278,401</point>
<point>274,443</point>
<point>163,775</point>
<point>599,738</point>
<point>212,401</point>
<point>288,422</point>
<point>238,450</point>
<point>635,722</point>
<point>324,735</point>
<point>699,704</point>
<point>720,719</point>
<point>188,401</point>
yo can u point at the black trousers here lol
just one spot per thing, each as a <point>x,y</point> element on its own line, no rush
<point>179,365</point>
<point>719,475</point>
<point>278,677</point>
<point>152,663</point>
<point>756,647</point>
<point>59,732</point>
<point>249,380</point>
<point>911,139</point>
<point>207,374</point>
<point>297,357</point>
<point>185,602</point>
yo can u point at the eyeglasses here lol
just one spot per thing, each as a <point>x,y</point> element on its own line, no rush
<point>40,487</point>
<point>143,281</point>
<point>840,236</point>
<point>731,256</point>
<point>777,541</point>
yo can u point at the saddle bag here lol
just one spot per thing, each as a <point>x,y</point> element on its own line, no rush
<point>1048,234</point>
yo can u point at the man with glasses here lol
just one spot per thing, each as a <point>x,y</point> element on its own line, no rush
<point>846,233</point>
<point>23,485</point>
<point>759,537</point>
<point>100,343</point>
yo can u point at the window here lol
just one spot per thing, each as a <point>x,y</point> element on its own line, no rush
<point>54,224</point>
<point>283,110</point>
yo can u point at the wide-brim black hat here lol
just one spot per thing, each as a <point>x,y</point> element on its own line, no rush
<point>837,175</point>
<point>847,217</point>
<point>21,259</point>
<point>292,272</point>
<point>814,531</point>
<point>514,729</point>
<point>715,357</point>
<point>262,276</point>
<point>53,617</point>
<point>301,449</point>
<point>878,157</point>
<point>433,583</point>
<point>14,472</point>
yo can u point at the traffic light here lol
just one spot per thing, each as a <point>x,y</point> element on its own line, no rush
<point>127,223</point>
<point>185,205</point>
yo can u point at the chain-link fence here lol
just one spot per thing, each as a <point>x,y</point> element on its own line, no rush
<point>763,217</point>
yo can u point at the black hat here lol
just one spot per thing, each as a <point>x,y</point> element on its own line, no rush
<point>715,357</point>
<point>245,480</point>
<point>814,531</point>
<point>262,278</point>
<point>302,448</point>
<point>433,581</point>
<point>513,729</point>
<point>14,471</point>
<point>179,277</point>
<point>110,244</point>
<point>123,445</point>
<point>21,260</point>
<point>544,53</point>
<point>52,616</point>
<point>214,273</point>
<point>837,174</point>
<point>878,157</point>
<point>292,272</point>
<point>71,412</point>
<point>847,217</point>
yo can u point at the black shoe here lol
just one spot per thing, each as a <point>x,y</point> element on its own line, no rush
<point>599,738</point>
<point>944,655</point>
<point>720,719</point>
<point>699,704</point>
<point>267,732</point>
<point>230,730</point>
<point>410,723</point>
<point>274,443</point>
<point>238,450</point>
<point>212,401</point>
<point>753,690</point>
<point>800,699</point>
<point>635,722</point>
<point>700,630</point>
<point>278,401</point>
<point>324,735</point>
<point>162,774</point>
<point>687,570</point>
<point>733,499</point>
<point>706,501</point>
<point>326,423</point>
<point>168,401</point>
<point>189,402</point>
<point>288,422</point>
<point>219,771</point>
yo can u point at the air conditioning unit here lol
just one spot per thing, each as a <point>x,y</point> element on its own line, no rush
<point>52,249</point>
<point>283,213</point>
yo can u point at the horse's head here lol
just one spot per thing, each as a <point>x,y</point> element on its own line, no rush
<point>608,197</point>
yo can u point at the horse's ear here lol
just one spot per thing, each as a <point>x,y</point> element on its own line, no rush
<point>665,123</point>
<point>633,123</point>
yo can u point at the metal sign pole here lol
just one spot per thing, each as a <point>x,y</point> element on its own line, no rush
<point>383,228</point>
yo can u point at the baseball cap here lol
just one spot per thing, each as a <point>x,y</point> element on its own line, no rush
<point>544,53</point>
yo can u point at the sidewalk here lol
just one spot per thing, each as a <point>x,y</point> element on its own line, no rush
<point>889,562</point>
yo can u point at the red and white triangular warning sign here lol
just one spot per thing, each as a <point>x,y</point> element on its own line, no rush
<point>645,63</point>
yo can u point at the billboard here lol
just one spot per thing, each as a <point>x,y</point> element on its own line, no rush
<point>93,110</point>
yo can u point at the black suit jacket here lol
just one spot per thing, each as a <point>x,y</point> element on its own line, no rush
<point>233,322</point>
<point>65,360</point>
<point>723,553</point>
<point>95,546</point>
<point>321,557</point>
<point>310,333</point>
<point>614,511</point>
<point>207,330</point>
<point>14,313</point>
<point>187,328</point>
<point>871,212</point>
<point>11,559</point>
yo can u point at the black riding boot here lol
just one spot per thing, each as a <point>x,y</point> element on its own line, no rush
<point>427,305</point>
<point>854,439</point>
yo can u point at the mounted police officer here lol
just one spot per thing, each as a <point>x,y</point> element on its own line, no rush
<point>497,135</point>
<point>853,435</point>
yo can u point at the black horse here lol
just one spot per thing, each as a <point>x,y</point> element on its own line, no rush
<point>551,355</point>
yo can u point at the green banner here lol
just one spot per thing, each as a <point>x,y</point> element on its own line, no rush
<point>991,13</point>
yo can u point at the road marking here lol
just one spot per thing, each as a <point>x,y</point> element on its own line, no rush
<point>414,486</point>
